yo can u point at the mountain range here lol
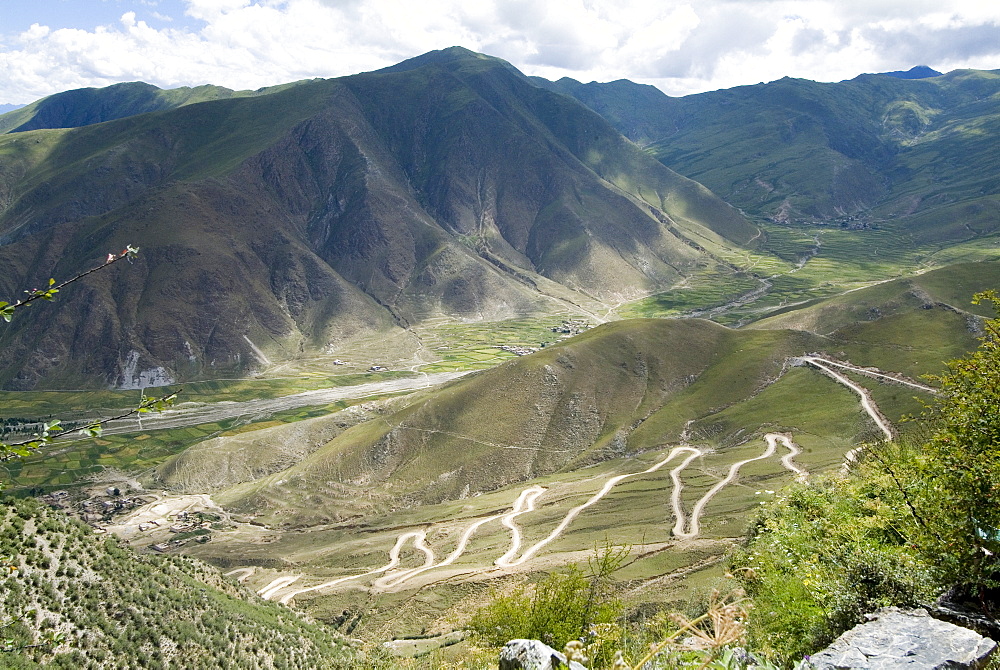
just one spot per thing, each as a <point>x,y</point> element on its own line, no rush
<point>301,217</point>
<point>421,215</point>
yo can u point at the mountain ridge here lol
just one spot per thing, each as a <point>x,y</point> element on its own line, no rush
<point>387,214</point>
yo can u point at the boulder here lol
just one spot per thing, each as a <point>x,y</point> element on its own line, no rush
<point>911,639</point>
<point>534,655</point>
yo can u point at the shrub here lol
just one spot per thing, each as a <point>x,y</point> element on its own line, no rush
<point>821,556</point>
<point>956,503</point>
<point>562,606</point>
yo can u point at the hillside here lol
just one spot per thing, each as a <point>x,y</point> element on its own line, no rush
<point>859,153</point>
<point>318,258</point>
<point>567,406</point>
<point>87,106</point>
<point>116,608</point>
<point>617,390</point>
<point>293,222</point>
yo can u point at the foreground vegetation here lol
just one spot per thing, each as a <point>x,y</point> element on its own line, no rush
<point>73,599</point>
<point>913,519</point>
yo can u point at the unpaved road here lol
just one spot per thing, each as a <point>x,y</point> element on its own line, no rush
<point>418,538</point>
<point>504,562</point>
<point>525,503</point>
<point>694,529</point>
<point>194,414</point>
<point>877,374</point>
<point>867,403</point>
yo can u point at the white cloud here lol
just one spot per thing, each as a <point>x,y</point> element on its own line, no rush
<point>681,46</point>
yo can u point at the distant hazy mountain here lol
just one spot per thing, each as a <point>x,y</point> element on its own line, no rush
<point>853,152</point>
<point>916,72</point>
<point>85,106</point>
<point>306,215</point>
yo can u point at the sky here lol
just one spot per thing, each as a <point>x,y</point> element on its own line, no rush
<point>48,46</point>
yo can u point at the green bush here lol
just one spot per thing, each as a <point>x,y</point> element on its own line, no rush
<point>562,606</point>
<point>956,497</point>
<point>821,556</point>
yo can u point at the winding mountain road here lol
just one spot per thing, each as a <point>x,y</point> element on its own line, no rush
<point>418,538</point>
<point>507,560</point>
<point>826,367</point>
<point>525,503</point>
<point>772,440</point>
<point>684,528</point>
<point>877,374</point>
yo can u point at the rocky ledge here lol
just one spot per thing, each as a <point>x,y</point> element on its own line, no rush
<point>911,639</point>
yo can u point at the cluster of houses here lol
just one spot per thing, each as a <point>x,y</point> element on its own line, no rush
<point>185,522</point>
<point>571,327</point>
<point>566,329</point>
<point>112,502</point>
<point>514,349</point>
<point>97,509</point>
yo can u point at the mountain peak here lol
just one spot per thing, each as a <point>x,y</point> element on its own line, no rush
<point>916,72</point>
<point>455,55</point>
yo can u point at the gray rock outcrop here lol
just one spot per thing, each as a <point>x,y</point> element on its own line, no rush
<point>911,639</point>
<point>534,655</point>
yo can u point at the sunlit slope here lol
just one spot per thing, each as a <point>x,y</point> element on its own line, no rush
<point>143,610</point>
<point>632,386</point>
<point>246,456</point>
<point>872,309</point>
<point>580,402</point>
<point>284,224</point>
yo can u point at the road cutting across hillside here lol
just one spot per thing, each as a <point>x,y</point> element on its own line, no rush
<point>772,440</point>
<point>876,373</point>
<point>684,528</point>
<point>419,540</point>
<point>826,367</point>
<point>526,502</point>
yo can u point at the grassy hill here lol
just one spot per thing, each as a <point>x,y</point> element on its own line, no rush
<point>611,402</point>
<point>113,607</point>
<point>621,389</point>
<point>426,213</point>
<point>570,405</point>
<point>856,152</point>
<point>86,106</point>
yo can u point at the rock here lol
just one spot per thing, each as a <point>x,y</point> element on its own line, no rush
<point>533,655</point>
<point>911,639</point>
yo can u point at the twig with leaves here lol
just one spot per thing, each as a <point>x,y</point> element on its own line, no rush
<point>52,430</point>
<point>48,294</point>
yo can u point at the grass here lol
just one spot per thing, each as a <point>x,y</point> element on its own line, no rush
<point>74,462</point>
<point>474,346</point>
<point>705,290</point>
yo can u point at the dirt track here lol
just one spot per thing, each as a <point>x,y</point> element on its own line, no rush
<point>525,503</point>
<point>683,528</point>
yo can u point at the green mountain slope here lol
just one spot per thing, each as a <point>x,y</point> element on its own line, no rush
<point>949,288</point>
<point>86,106</point>
<point>620,389</point>
<point>117,608</point>
<point>585,401</point>
<point>858,152</point>
<point>295,221</point>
